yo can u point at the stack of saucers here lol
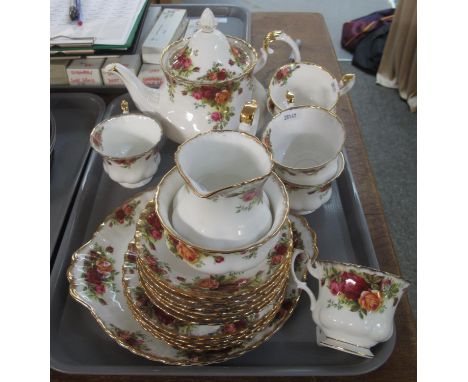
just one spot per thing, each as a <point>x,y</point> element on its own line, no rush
<point>195,276</point>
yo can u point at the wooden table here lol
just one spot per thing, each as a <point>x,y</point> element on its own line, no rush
<point>317,47</point>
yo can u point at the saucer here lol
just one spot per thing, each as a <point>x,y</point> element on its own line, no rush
<point>175,273</point>
<point>95,283</point>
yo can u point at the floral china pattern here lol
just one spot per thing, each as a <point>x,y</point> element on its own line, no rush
<point>134,340</point>
<point>282,75</point>
<point>238,57</point>
<point>150,230</point>
<point>151,311</point>
<point>249,196</point>
<point>124,214</point>
<point>196,257</point>
<point>217,98</point>
<point>99,273</point>
<point>182,63</point>
<point>360,292</point>
<point>117,320</point>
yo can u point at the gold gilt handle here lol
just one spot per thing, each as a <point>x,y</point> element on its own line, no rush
<point>289,97</point>
<point>346,83</point>
<point>124,106</point>
<point>266,50</point>
<point>247,117</point>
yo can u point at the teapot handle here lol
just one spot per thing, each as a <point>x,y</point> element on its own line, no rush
<point>266,50</point>
<point>249,118</point>
<point>346,83</point>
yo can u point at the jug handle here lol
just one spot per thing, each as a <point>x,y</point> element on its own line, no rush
<point>346,83</point>
<point>249,118</point>
<point>301,284</point>
<point>265,50</point>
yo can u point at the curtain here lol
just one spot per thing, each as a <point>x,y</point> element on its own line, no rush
<point>398,65</point>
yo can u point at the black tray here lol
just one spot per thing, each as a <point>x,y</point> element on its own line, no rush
<point>75,115</point>
<point>237,24</point>
<point>79,345</point>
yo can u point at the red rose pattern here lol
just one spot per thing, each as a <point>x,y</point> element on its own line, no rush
<point>353,285</point>
<point>124,214</point>
<point>216,116</point>
<point>362,292</point>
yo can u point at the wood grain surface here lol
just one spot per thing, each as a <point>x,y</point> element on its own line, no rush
<point>317,47</point>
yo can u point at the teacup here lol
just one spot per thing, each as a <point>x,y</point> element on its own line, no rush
<point>305,142</point>
<point>304,84</point>
<point>213,260</point>
<point>129,145</point>
<point>304,200</point>
<point>355,305</point>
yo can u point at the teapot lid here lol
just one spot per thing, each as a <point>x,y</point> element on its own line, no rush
<point>209,55</point>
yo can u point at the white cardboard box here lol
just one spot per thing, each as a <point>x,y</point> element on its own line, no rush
<point>130,61</point>
<point>169,27</point>
<point>151,75</point>
<point>85,71</point>
<point>58,72</point>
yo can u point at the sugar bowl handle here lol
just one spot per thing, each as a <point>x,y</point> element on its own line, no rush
<point>249,118</point>
<point>265,50</point>
<point>346,83</point>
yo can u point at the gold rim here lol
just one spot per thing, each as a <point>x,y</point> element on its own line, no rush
<point>170,231</point>
<point>224,337</point>
<point>199,304</point>
<point>166,360</point>
<point>186,362</point>
<point>210,314</point>
<point>208,319</point>
<point>135,156</point>
<point>207,298</point>
<point>210,132</point>
<point>212,294</point>
<point>217,338</point>
<point>336,176</point>
<point>318,167</point>
<point>369,269</point>
<point>313,257</point>
<point>183,80</point>
<point>193,345</point>
<point>270,85</point>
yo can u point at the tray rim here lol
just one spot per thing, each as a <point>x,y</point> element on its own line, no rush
<point>84,162</point>
<point>346,181</point>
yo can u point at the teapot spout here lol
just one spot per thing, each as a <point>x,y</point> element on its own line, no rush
<point>146,99</point>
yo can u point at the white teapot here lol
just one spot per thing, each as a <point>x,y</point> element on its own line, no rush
<point>209,77</point>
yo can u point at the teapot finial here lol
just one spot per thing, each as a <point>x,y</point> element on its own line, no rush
<point>207,22</point>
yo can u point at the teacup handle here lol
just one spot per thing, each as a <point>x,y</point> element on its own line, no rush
<point>346,83</point>
<point>301,284</point>
<point>266,50</point>
<point>249,118</point>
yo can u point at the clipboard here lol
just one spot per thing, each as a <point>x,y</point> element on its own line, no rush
<point>84,46</point>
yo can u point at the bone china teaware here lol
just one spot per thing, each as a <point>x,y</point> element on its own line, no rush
<point>223,205</point>
<point>305,143</point>
<point>209,79</point>
<point>304,200</point>
<point>129,146</point>
<point>304,84</point>
<point>355,305</point>
<point>212,259</point>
